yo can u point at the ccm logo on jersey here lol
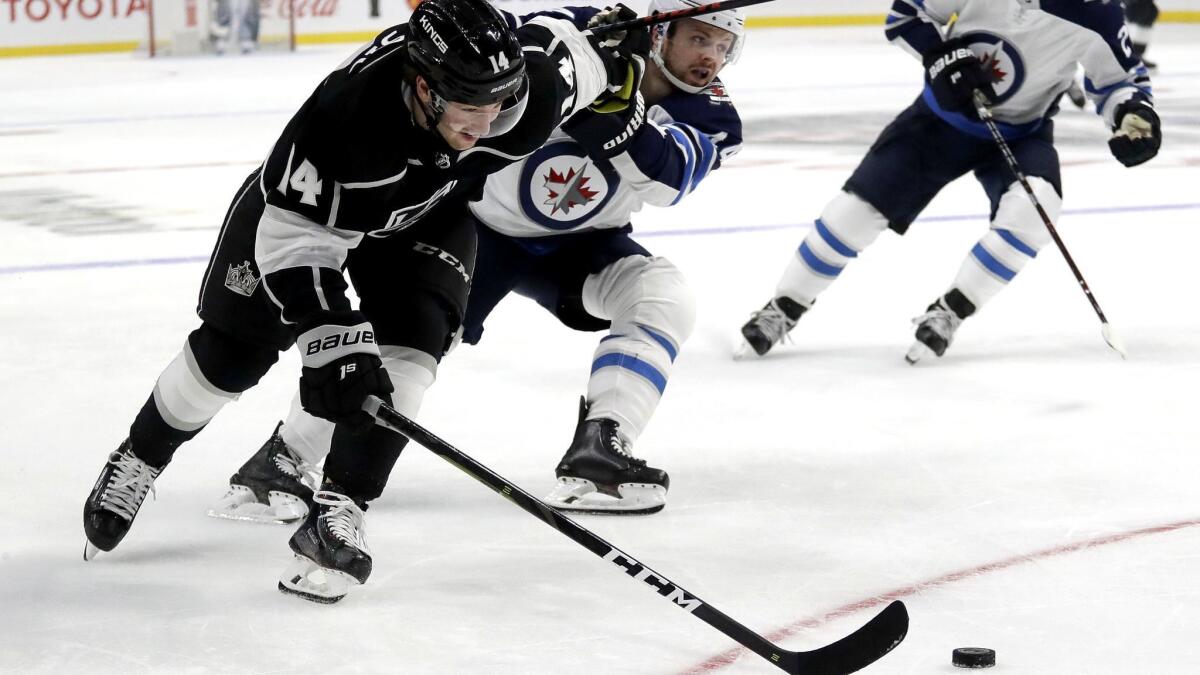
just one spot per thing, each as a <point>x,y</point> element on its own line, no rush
<point>665,588</point>
<point>433,34</point>
<point>639,114</point>
<point>343,339</point>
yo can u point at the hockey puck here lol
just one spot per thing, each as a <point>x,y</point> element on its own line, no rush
<point>973,657</point>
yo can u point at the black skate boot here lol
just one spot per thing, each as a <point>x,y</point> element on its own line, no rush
<point>273,486</point>
<point>330,548</point>
<point>936,327</point>
<point>598,475</point>
<point>115,499</point>
<point>771,324</point>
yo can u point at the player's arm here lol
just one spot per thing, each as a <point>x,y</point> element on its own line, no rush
<point>300,248</point>
<point>566,71</point>
<point>578,16</point>
<point>1118,83</point>
<point>952,71</point>
<point>916,25</point>
<point>668,158</point>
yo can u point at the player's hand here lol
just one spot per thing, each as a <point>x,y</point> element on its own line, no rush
<point>953,73</point>
<point>1138,133</point>
<point>341,367</point>
<point>606,134</point>
<point>619,51</point>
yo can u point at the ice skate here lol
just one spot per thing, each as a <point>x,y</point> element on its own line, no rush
<point>599,475</point>
<point>274,486</point>
<point>936,327</point>
<point>769,326</point>
<point>331,553</point>
<point>115,499</point>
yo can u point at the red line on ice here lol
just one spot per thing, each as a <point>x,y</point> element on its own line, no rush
<point>730,656</point>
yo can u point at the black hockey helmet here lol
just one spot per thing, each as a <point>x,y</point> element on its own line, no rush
<point>467,53</point>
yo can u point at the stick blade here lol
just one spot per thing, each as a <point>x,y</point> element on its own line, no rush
<point>859,649</point>
<point>1114,340</point>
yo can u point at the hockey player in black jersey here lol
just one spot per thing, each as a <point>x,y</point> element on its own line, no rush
<point>372,175</point>
<point>1022,55</point>
<point>572,251</point>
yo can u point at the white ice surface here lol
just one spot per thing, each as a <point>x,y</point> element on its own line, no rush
<point>803,485</point>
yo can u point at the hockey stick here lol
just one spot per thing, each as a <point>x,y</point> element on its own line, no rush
<point>985,114</point>
<point>849,654</point>
<point>673,15</point>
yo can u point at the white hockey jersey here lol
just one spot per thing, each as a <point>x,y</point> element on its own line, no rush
<point>1032,48</point>
<point>559,189</point>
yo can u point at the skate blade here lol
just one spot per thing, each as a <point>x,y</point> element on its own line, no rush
<point>743,351</point>
<point>240,503</point>
<point>90,550</point>
<point>306,579</point>
<point>917,352</point>
<point>578,495</point>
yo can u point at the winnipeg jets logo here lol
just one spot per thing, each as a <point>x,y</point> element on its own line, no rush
<point>991,62</point>
<point>566,192</point>
<point>561,189</point>
<point>1000,60</point>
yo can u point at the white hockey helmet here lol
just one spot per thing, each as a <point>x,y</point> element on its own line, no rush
<point>732,20</point>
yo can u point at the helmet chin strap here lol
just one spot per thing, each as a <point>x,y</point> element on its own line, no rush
<point>433,112</point>
<point>656,57</point>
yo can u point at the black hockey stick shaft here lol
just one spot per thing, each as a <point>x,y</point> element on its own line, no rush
<point>853,652</point>
<point>985,114</point>
<point>674,15</point>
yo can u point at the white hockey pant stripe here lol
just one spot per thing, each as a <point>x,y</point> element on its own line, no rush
<point>1017,233</point>
<point>847,226</point>
<point>185,398</point>
<point>652,311</point>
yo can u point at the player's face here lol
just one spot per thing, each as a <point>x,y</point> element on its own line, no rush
<point>463,125</point>
<point>695,51</point>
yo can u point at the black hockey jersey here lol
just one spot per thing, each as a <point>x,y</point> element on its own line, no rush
<point>352,165</point>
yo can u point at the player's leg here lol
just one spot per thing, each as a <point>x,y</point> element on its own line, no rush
<point>846,227</point>
<point>414,291</point>
<point>213,368</point>
<point>238,341</point>
<point>275,485</point>
<point>911,161</point>
<point>604,280</point>
<point>250,15</point>
<point>1015,236</point>
<point>501,264</point>
<point>220,30</point>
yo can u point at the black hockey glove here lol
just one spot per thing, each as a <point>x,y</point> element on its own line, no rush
<point>619,51</point>
<point>607,134</point>
<point>1138,133</point>
<point>341,368</point>
<point>953,73</point>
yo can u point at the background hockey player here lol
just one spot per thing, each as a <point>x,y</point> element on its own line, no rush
<point>1022,55</point>
<point>555,227</point>
<point>373,173</point>
<point>1141,15</point>
<point>235,22</point>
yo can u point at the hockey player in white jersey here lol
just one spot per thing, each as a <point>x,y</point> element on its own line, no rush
<point>555,227</point>
<point>1022,55</point>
